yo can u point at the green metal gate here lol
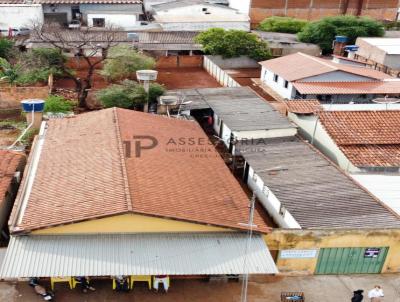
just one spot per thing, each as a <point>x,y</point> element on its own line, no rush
<point>357,260</point>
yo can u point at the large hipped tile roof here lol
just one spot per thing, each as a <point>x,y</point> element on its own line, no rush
<point>83,174</point>
<point>298,66</point>
<point>367,138</point>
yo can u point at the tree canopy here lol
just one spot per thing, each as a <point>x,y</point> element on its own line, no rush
<point>128,94</point>
<point>6,46</point>
<point>323,32</point>
<point>233,43</point>
<point>282,25</point>
<point>123,61</point>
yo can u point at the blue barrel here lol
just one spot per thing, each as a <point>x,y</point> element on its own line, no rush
<point>341,39</point>
<point>35,105</point>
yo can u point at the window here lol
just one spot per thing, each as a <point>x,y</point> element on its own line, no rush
<point>286,84</point>
<point>204,9</point>
<point>99,22</point>
<point>275,78</point>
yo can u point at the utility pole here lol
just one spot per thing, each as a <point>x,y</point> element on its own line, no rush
<point>245,283</point>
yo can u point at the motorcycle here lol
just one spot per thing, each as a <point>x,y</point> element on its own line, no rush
<point>40,290</point>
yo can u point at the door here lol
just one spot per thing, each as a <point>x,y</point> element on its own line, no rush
<point>358,260</point>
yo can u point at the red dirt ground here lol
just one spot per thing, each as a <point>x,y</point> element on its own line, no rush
<point>186,77</point>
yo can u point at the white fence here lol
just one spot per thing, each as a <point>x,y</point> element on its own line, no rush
<point>218,73</point>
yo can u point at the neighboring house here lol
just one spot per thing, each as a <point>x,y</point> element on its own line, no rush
<point>168,42</point>
<point>136,187</point>
<point>382,54</point>
<point>327,224</point>
<point>198,15</point>
<point>237,114</point>
<point>282,44</point>
<point>93,13</point>
<point>16,14</point>
<point>300,76</point>
<point>11,167</point>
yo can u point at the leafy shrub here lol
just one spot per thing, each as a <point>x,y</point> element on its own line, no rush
<point>55,103</point>
<point>6,47</point>
<point>123,61</point>
<point>323,32</point>
<point>233,43</point>
<point>128,94</point>
<point>282,25</point>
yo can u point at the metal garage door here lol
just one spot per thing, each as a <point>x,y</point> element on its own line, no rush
<point>358,260</point>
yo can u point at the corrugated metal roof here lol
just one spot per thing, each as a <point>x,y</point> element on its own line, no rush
<point>385,187</point>
<point>240,108</point>
<point>136,254</point>
<point>314,191</point>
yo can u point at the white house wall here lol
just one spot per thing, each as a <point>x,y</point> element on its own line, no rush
<point>267,78</point>
<point>118,20</point>
<point>197,10</point>
<point>309,126</point>
<point>203,25</point>
<point>20,15</point>
<point>242,6</point>
<point>337,76</point>
<point>270,202</point>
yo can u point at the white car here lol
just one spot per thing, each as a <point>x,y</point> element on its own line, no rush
<point>20,31</point>
<point>74,24</point>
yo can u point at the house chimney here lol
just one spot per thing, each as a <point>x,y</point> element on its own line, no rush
<point>339,44</point>
<point>33,109</point>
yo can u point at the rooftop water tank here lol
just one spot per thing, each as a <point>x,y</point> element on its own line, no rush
<point>341,39</point>
<point>146,75</point>
<point>35,105</point>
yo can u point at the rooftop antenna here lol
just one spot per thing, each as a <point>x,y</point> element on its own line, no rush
<point>144,77</point>
<point>386,100</point>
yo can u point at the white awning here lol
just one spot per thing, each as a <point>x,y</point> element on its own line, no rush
<point>136,254</point>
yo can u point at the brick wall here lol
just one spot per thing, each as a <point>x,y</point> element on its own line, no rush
<point>316,9</point>
<point>179,61</point>
<point>10,97</point>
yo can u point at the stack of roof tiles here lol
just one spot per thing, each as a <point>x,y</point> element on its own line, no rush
<point>367,138</point>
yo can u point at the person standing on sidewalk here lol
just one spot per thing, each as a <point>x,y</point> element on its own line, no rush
<point>376,294</point>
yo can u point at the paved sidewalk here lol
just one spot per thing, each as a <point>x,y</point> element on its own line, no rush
<point>261,289</point>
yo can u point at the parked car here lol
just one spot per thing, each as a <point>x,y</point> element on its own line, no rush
<point>16,31</point>
<point>74,24</point>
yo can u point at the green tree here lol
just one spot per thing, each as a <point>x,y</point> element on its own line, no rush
<point>128,94</point>
<point>282,25</point>
<point>233,43</point>
<point>6,46</point>
<point>8,73</point>
<point>123,61</point>
<point>323,32</point>
<point>56,103</point>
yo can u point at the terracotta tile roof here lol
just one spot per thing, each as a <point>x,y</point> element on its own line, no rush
<point>91,177</point>
<point>367,138</point>
<point>303,106</point>
<point>381,87</point>
<point>9,163</point>
<point>299,66</point>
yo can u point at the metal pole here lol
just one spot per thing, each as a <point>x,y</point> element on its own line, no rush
<point>245,283</point>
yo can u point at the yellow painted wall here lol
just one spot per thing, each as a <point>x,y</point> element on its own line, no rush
<point>316,239</point>
<point>129,223</point>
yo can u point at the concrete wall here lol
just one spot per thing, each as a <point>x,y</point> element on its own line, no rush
<point>20,15</point>
<point>267,77</point>
<point>218,73</point>
<point>280,239</point>
<point>10,97</point>
<point>197,10</point>
<point>232,63</point>
<point>310,127</point>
